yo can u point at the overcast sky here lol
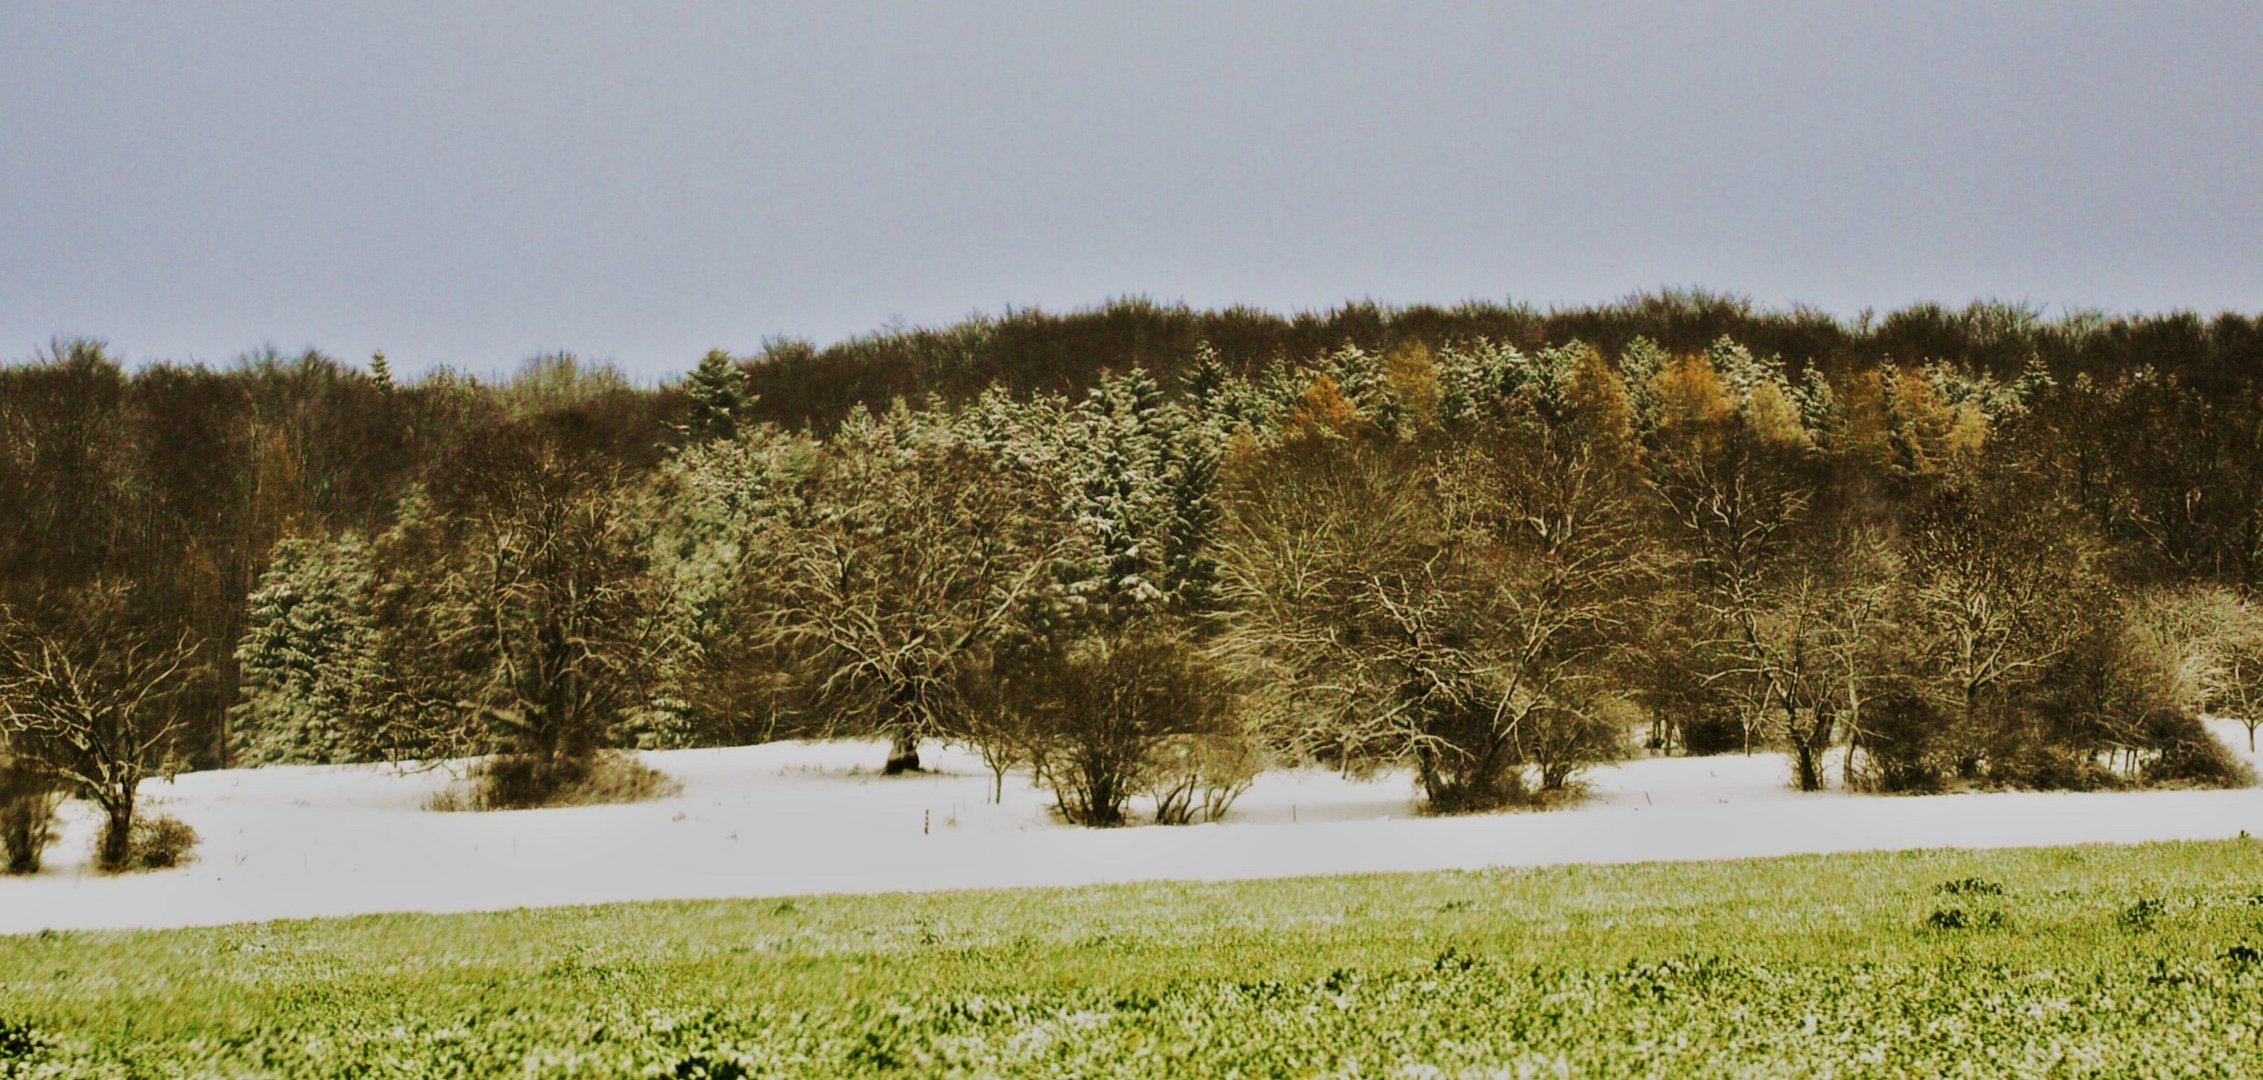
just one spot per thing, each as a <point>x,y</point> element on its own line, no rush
<point>473,183</point>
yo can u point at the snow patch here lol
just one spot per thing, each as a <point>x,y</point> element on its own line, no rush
<point>796,818</point>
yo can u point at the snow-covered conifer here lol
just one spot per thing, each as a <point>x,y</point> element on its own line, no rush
<point>308,655</point>
<point>718,397</point>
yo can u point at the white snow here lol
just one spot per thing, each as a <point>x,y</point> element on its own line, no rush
<point>796,818</point>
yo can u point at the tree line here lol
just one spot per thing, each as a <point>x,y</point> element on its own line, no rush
<point>1142,551</point>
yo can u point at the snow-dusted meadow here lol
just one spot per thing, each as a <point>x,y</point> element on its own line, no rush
<point>795,818</point>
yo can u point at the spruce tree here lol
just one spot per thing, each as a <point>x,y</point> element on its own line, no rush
<point>718,397</point>
<point>1141,478</point>
<point>308,656</point>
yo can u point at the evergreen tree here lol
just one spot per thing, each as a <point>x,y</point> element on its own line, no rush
<point>1190,563</point>
<point>1205,378</point>
<point>720,556</point>
<point>1140,488</point>
<point>1639,364</point>
<point>308,658</point>
<point>718,397</point>
<point>1117,455</point>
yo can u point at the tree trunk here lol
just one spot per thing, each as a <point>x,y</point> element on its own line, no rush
<point>1810,775</point>
<point>903,754</point>
<point>117,838</point>
<point>1808,748</point>
<point>1103,805</point>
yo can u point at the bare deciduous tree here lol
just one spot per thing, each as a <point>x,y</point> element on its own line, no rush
<point>1450,611</point>
<point>549,605</point>
<point>919,551</point>
<point>2000,588</point>
<point>1740,493</point>
<point>2217,635</point>
<point>87,694</point>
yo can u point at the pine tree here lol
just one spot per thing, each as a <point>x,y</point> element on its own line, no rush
<point>1205,379</point>
<point>1190,564</point>
<point>1639,365</point>
<point>308,655</point>
<point>718,554</point>
<point>1119,451</point>
<point>381,370</point>
<point>718,397</point>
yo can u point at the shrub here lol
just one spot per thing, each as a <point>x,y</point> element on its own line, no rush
<point>988,719</point>
<point>1472,761</point>
<point>157,843</point>
<point>524,782</point>
<point>1969,886</point>
<point>19,1042</point>
<point>2140,916</point>
<point>2187,753</point>
<point>27,817</point>
<point>1900,743</point>
<point>1960,919</point>
<point>2116,711</point>
<point>1561,742</point>
<point>1464,766</point>
<point>1713,730</point>
<point>1198,777</point>
<point>2044,766</point>
<point>1104,712</point>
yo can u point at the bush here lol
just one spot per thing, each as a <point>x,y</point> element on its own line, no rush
<point>988,719</point>
<point>1198,777</point>
<point>18,1043</point>
<point>1714,730</point>
<point>2042,766</point>
<point>2140,916</point>
<point>27,817</point>
<point>519,782</point>
<point>157,843</point>
<point>1900,743</point>
<point>2187,753</point>
<point>1969,886</point>
<point>1561,742</point>
<point>1107,715</point>
<point>1957,918</point>
<point>2117,711</point>
<point>1471,761</point>
<point>1466,766</point>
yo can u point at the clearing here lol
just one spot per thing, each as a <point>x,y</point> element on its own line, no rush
<point>791,819</point>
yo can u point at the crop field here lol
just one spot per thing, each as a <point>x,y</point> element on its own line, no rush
<point>2140,960</point>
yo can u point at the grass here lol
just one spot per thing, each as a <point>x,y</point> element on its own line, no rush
<point>2062,961</point>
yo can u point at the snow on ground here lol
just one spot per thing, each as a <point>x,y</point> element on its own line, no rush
<point>794,818</point>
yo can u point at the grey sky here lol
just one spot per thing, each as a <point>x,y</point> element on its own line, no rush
<point>471,183</point>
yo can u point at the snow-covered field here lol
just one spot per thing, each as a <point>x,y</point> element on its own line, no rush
<point>797,818</point>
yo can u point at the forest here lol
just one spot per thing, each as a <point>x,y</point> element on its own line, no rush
<point>1144,550</point>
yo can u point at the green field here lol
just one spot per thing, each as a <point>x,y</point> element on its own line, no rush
<point>2060,961</point>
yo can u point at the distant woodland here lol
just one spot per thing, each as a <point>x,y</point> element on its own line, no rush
<point>1148,550</point>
